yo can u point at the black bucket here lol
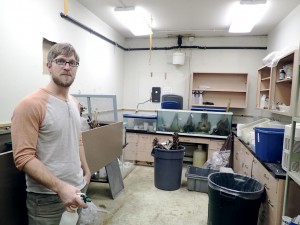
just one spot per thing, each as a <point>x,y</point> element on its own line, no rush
<point>234,199</point>
<point>168,168</point>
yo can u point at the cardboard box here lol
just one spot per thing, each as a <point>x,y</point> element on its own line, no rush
<point>103,145</point>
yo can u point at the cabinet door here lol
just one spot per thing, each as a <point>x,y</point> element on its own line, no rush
<point>272,203</point>
<point>130,151</point>
<point>214,146</point>
<point>237,155</point>
<point>144,148</point>
<point>247,161</point>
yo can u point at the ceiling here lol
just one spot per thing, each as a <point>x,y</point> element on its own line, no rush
<point>198,18</point>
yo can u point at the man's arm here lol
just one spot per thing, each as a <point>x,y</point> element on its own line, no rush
<point>84,164</point>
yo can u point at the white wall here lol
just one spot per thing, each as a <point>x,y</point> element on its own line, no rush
<point>287,33</point>
<point>138,80</point>
<point>24,25</point>
<point>105,69</point>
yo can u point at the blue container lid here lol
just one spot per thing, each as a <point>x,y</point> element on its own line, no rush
<point>266,130</point>
<point>140,116</point>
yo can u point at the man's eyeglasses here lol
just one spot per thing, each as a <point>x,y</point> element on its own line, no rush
<point>63,62</point>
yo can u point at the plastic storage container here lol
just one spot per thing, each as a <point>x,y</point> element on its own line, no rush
<point>168,168</point>
<point>246,129</point>
<point>269,144</point>
<point>69,218</point>
<point>199,156</point>
<point>197,178</point>
<point>140,122</point>
<point>286,148</point>
<point>234,199</point>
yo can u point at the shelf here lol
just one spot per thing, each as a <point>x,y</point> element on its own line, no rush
<point>220,89</point>
<point>279,91</point>
<point>292,87</point>
<point>285,80</point>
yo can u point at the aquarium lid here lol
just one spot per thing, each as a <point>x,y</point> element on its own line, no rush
<point>140,116</point>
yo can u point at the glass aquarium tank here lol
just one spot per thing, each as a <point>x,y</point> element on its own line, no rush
<point>194,123</point>
<point>138,122</point>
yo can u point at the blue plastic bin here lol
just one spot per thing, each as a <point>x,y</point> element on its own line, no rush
<point>269,144</point>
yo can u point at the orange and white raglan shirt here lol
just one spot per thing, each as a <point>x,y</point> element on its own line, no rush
<point>48,128</point>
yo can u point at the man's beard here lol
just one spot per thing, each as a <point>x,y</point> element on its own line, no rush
<point>61,83</point>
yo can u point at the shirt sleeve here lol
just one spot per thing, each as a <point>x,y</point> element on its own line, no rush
<point>26,121</point>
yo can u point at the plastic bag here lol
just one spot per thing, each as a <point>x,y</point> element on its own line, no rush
<point>90,215</point>
<point>218,160</point>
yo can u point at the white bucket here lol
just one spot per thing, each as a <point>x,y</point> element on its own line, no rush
<point>178,58</point>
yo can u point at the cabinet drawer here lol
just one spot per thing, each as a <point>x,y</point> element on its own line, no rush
<point>216,144</point>
<point>130,137</point>
<point>247,161</point>
<point>260,173</point>
<point>194,140</point>
<point>144,138</point>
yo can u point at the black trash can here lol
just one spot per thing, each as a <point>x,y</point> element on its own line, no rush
<point>168,168</point>
<point>234,199</point>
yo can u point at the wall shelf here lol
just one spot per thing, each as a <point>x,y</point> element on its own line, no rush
<point>220,89</point>
<point>293,154</point>
<point>278,91</point>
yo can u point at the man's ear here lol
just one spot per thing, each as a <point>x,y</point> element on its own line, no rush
<point>49,66</point>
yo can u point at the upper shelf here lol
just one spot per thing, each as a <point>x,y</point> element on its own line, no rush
<point>220,89</point>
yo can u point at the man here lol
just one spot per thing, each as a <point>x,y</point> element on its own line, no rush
<point>47,143</point>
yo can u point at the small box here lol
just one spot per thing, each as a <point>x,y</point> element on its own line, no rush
<point>197,178</point>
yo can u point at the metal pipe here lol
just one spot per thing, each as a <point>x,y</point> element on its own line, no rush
<point>153,48</point>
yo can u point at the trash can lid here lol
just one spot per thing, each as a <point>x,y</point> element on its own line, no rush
<point>236,184</point>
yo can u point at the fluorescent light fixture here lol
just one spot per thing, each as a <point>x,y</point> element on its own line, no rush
<point>246,15</point>
<point>134,20</point>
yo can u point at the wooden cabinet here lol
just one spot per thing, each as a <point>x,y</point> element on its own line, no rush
<point>139,145</point>
<point>244,162</point>
<point>243,159</point>
<point>220,89</point>
<point>276,88</point>
<point>214,146</point>
<point>263,87</point>
<point>272,203</point>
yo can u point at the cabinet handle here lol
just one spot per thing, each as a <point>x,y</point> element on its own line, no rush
<point>266,176</point>
<point>266,187</point>
<point>269,202</point>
